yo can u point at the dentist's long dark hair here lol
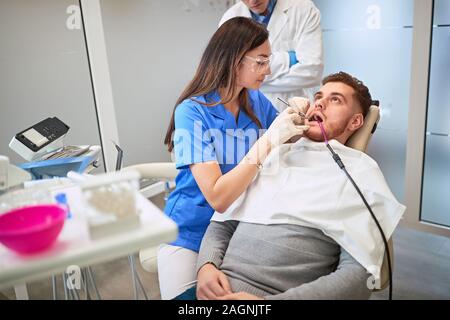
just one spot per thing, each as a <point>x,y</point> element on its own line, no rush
<point>218,66</point>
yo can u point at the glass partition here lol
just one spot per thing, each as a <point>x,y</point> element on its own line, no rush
<point>372,40</point>
<point>436,173</point>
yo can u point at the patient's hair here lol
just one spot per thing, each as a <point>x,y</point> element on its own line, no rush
<point>361,94</point>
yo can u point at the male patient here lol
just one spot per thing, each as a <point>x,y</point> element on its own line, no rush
<point>301,231</point>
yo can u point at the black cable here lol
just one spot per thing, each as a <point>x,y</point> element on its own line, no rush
<point>341,165</point>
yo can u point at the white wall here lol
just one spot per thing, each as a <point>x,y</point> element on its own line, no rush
<point>153,49</point>
<point>43,72</point>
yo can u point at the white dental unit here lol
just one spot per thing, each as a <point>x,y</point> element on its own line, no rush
<point>43,145</point>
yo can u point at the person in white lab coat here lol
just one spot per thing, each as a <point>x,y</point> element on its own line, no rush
<point>295,36</point>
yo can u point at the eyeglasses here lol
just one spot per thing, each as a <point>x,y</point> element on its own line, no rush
<point>259,64</point>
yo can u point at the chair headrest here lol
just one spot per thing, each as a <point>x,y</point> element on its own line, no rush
<point>360,139</point>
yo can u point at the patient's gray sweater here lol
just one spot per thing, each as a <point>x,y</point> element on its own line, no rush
<point>282,261</point>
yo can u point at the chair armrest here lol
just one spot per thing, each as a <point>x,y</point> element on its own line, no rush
<point>160,170</point>
<point>384,273</point>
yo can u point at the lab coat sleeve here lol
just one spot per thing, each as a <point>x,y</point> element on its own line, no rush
<point>309,51</point>
<point>215,242</point>
<point>192,144</point>
<point>348,281</point>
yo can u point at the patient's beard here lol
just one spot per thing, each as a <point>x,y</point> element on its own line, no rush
<point>315,134</point>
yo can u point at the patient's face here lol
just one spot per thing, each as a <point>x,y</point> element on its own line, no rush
<point>339,110</point>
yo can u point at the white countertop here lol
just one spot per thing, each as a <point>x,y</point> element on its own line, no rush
<point>74,246</point>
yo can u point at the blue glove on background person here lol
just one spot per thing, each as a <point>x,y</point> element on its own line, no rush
<point>292,58</point>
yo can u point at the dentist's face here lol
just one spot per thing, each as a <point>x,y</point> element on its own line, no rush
<point>337,107</point>
<point>257,6</point>
<point>254,67</point>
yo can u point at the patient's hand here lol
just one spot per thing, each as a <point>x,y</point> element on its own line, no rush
<point>211,283</point>
<point>240,296</point>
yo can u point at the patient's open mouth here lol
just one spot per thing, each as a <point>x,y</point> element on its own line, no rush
<point>316,117</point>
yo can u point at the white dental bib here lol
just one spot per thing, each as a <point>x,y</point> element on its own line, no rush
<point>301,184</point>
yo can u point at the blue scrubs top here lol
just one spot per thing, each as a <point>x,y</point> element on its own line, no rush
<point>203,134</point>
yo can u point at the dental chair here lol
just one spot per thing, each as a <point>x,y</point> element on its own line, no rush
<point>166,171</point>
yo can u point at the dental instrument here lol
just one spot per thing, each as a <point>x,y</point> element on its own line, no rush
<point>286,103</point>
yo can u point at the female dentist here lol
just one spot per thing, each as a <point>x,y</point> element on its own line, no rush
<point>215,135</point>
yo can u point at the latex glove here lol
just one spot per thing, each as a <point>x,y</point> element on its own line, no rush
<point>292,58</point>
<point>285,127</point>
<point>299,104</point>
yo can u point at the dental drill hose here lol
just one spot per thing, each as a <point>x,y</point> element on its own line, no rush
<point>341,165</point>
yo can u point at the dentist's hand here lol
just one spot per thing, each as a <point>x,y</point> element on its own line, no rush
<point>211,283</point>
<point>299,104</point>
<point>284,127</point>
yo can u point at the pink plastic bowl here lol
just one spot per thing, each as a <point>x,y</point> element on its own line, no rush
<point>33,228</point>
